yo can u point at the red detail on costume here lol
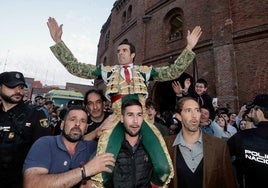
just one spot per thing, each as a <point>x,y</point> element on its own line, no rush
<point>116,97</point>
<point>127,74</point>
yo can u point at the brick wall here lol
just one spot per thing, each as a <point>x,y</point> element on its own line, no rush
<point>231,54</point>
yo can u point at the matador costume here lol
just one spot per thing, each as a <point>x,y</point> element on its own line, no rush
<point>118,90</point>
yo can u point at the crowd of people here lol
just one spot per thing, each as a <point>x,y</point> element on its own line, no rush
<point>133,145</point>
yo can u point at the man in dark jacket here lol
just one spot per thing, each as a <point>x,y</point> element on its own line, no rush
<point>19,128</point>
<point>250,147</point>
<point>133,167</point>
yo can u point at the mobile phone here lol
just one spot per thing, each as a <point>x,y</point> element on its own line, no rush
<point>215,101</point>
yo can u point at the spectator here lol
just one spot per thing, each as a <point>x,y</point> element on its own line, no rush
<point>232,120</point>
<point>64,160</point>
<point>207,125</point>
<point>19,128</point>
<point>230,129</point>
<point>151,110</point>
<point>94,101</point>
<point>244,124</point>
<point>243,120</point>
<point>168,118</point>
<point>174,126</point>
<point>250,147</point>
<point>223,124</point>
<point>200,93</point>
<point>200,160</point>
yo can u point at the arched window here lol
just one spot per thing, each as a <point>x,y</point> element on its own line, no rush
<point>173,24</point>
<point>124,17</point>
<point>129,12</point>
<point>176,27</point>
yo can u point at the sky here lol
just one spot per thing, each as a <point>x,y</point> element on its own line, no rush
<point>25,38</point>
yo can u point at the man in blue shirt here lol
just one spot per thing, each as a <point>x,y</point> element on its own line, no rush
<point>64,160</point>
<point>207,125</point>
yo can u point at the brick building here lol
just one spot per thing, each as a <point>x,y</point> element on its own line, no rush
<point>231,54</point>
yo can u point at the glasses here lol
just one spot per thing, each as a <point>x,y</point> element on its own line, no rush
<point>199,86</point>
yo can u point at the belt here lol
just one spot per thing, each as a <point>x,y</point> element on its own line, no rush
<point>116,97</point>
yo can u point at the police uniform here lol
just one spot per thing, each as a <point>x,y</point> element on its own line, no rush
<point>250,148</point>
<point>41,123</point>
<point>15,140</point>
<point>19,127</point>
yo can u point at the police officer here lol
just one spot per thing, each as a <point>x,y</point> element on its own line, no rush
<point>18,128</point>
<point>250,147</point>
<point>39,101</point>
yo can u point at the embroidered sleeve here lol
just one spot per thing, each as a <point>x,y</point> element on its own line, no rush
<point>174,71</point>
<point>67,59</point>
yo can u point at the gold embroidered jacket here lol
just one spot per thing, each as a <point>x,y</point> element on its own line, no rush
<point>111,74</point>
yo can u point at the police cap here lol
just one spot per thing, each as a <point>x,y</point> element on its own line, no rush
<point>12,79</point>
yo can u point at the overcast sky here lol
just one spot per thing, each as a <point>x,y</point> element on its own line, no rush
<point>25,38</point>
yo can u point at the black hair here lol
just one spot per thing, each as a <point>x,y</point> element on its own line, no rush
<point>223,110</point>
<point>202,81</point>
<point>205,106</point>
<point>264,111</point>
<point>149,104</point>
<point>74,103</point>
<point>131,46</point>
<point>96,91</point>
<point>130,102</point>
<point>226,123</point>
<point>49,102</point>
<point>73,108</point>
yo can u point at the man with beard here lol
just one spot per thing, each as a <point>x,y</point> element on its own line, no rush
<point>133,167</point>
<point>250,147</point>
<point>65,160</point>
<point>19,127</point>
<point>199,159</point>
